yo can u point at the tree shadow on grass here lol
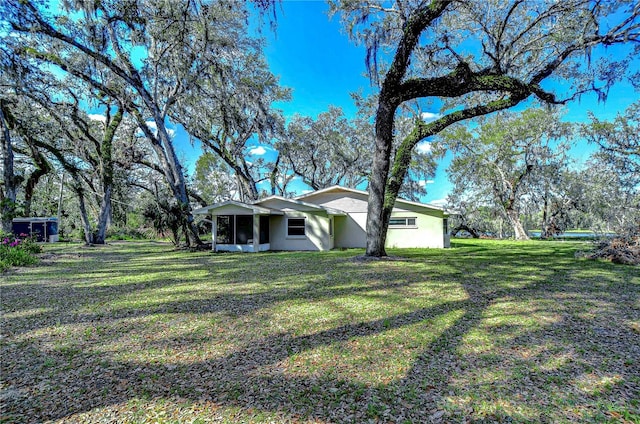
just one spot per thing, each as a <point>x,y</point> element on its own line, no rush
<point>114,284</point>
<point>269,373</point>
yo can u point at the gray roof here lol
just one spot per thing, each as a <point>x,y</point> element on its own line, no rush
<point>256,210</point>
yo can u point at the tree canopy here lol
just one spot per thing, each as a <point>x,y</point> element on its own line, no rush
<point>477,58</point>
<point>99,90</point>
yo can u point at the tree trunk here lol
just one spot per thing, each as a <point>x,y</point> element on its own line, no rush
<point>166,154</point>
<point>544,228</point>
<point>84,217</point>
<point>464,227</point>
<point>377,219</point>
<point>248,189</point>
<point>518,229</point>
<point>103,217</point>
<point>106,158</point>
<point>179,187</point>
<point>8,199</point>
<point>42,168</point>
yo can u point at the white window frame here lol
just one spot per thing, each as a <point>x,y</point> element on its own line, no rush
<point>304,227</point>
<point>406,224</point>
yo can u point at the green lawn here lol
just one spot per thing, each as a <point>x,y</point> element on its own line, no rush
<point>487,331</point>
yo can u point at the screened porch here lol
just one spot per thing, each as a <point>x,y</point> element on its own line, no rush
<point>239,227</point>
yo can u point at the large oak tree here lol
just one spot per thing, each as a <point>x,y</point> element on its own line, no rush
<point>478,58</point>
<point>503,160</point>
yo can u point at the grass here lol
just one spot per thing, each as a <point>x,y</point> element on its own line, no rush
<point>485,331</point>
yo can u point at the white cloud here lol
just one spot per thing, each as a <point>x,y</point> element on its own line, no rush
<point>97,117</point>
<point>153,127</point>
<point>439,202</point>
<point>423,147</point>
<point>423,183</point>
<point>257,151</point>
<point>428,116</point>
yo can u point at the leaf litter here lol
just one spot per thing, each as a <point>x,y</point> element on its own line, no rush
<point>157,335</point>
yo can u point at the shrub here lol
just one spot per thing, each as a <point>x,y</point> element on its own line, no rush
<point>17,251</point>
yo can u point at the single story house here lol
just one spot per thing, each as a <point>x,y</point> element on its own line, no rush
<point>334,217</point>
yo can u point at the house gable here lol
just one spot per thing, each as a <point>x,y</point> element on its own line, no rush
<point>284,204</point>
<point>423,224</point>
<point>355,201</point>
<point>232,207</point>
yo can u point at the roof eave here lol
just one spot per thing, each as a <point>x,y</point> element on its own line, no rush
<point>256,210</point>
<point>366,193</point>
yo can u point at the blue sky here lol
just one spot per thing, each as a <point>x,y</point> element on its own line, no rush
<point>313,56</point>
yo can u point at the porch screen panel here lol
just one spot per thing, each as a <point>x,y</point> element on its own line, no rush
<point>264,229</point>
<point>244,228</point>
<point>224,233</point>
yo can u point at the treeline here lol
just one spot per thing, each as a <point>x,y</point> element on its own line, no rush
<point>518,172</point>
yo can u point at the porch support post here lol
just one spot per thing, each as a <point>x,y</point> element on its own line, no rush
<point>214,229</point>
<point>256,232</point>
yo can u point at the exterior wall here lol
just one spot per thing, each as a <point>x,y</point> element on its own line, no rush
<point>428,231</point>
<point>316,232</point>
<point>241,248</point>
<point>350,230</point>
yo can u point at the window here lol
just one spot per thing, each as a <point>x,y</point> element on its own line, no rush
<point>445,226</point>
<point>330,227</point>
<point>296,227</point>
<point>402,222</point>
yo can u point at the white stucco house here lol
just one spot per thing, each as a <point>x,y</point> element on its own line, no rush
<point>334,217</point>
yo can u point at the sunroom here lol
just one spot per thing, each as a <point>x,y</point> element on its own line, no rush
<point>239,227</point>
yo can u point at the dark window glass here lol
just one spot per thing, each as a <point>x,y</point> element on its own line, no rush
<point>402,222</point>
<point>296,227</point>
<point>296,222</point>
<point>397,222</point>
<point>224,233</point>
<point>264,229</point>
<point>244,229</point>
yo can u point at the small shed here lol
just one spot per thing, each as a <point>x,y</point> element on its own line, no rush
<point>43,229</point>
